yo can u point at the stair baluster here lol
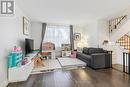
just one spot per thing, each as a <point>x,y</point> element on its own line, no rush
<point>114,23</point>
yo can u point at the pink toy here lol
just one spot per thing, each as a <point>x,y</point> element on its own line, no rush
<point>16,49</point>
<point>73,55</point>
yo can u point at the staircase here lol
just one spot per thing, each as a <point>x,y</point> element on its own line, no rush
<point>124,41</point>
<point>119,31</point>
<point>116,22</point>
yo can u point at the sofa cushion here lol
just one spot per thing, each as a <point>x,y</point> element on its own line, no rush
<point>85,50</point>
<point>95,50</point>
<point>84,56</point>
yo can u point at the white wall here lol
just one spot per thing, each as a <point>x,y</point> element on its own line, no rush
<point>92,34</point>
<point>103,31</point>
<point>89,35</point>
<point>103,34</point>
<point>36,28</point>
<point>11,35</point>
<point>80,29</point>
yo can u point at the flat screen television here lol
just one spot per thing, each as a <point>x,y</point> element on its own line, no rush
<point>29,46</point>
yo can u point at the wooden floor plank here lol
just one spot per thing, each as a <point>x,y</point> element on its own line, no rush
<point>77,78</point>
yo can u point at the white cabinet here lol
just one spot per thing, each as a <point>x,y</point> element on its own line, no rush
<point>22,73</point>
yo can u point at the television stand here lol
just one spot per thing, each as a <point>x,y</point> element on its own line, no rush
<point>16,74</point>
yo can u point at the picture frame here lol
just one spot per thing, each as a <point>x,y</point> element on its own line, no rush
<point>25,26</point>
<point>77,36</point>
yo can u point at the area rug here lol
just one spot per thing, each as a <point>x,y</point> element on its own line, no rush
<point>59,64</point>
<point>71,62</point>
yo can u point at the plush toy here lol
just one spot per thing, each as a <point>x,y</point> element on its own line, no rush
<point>38,61</point>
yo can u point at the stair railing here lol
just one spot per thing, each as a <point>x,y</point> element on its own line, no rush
<point>126,62</point>
<point>114,23</point>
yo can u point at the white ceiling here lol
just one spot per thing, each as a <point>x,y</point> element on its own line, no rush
<point>71,11</point>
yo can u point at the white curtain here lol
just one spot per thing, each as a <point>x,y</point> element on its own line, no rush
<point>57,34</point>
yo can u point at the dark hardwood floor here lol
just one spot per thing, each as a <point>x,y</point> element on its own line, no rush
<point>118,67</point>
<point>77,78</point>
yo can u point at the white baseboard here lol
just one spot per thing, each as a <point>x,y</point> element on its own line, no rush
<point>4,84</point>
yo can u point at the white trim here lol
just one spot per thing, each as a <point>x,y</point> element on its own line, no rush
<point>4,84</point>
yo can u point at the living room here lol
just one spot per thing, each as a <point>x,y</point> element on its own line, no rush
<point>77,43</point>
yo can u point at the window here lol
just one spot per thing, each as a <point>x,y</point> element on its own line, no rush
<point>57,34</point>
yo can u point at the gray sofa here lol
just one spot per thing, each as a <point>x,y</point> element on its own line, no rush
<point>96,58</point>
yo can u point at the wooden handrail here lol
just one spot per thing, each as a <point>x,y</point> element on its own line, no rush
<point>121,19</point>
